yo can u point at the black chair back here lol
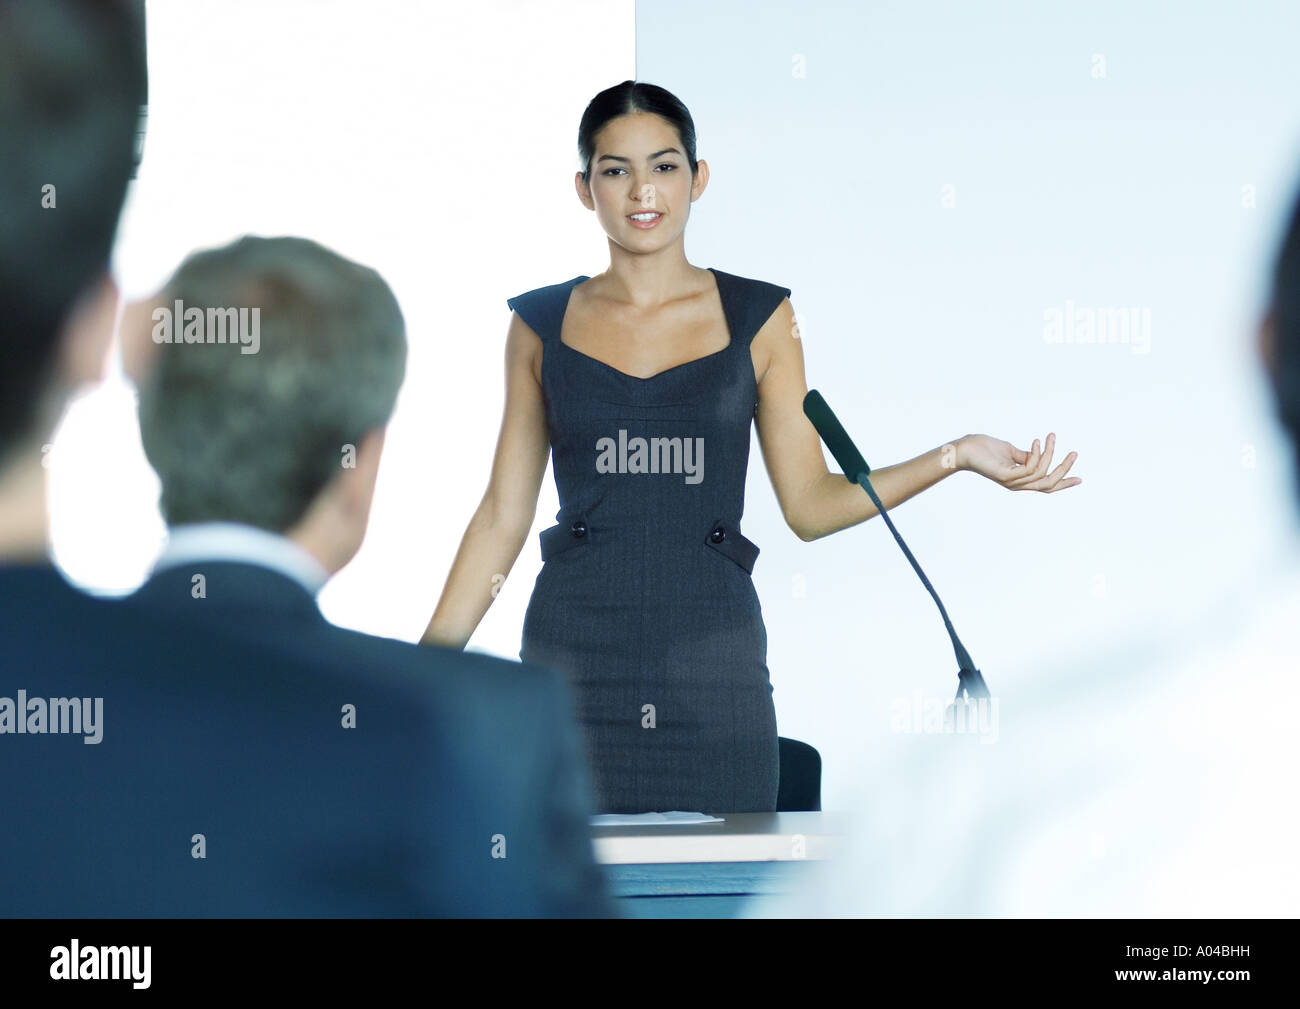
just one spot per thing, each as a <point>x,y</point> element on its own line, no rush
<point>800,786</point>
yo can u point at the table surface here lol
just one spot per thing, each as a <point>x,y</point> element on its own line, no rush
<point>741,837</point>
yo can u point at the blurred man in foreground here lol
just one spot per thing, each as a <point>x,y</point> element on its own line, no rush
<point>268,371</point>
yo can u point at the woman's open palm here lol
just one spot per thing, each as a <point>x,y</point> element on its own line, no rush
<point>1015,468</point>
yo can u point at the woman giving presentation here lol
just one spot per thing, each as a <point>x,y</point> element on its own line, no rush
<point>640,384</point>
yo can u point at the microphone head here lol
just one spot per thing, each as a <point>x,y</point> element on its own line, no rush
<point>846,454</point>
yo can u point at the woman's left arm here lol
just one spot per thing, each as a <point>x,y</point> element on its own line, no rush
<point>816,502</point>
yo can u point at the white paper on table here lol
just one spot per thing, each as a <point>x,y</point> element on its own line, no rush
<point>672,818</point>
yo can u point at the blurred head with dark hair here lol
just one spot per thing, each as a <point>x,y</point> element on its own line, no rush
<point>1280,335</point>
<point>72,80</point>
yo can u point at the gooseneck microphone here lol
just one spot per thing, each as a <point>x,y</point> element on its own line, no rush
<point>849,459</point>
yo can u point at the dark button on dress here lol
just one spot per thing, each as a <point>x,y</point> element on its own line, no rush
<point>645,599</point>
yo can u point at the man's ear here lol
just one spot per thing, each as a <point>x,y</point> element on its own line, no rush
<point>135,332</point>
<point>1266,342</point>
<point>358,485</point>
<point>87,334</point>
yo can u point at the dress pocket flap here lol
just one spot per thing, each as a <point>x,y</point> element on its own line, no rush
<point>560,537</point>
<point>729,541</point>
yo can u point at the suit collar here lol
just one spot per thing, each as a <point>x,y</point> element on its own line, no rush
<point>251,591</point>
<point>238,542</point>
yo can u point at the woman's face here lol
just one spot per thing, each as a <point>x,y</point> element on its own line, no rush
<point>639,168</point>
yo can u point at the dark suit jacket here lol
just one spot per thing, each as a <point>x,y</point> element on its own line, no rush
<point>224,717</point>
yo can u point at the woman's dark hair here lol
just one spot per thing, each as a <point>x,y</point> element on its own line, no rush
<point>629,97</point>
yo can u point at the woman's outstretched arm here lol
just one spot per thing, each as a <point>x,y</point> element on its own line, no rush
<point>815,501</point>
<point>500,524</point>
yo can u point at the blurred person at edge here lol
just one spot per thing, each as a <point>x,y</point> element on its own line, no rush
<point>158,768</point>
<point>1153,779</point>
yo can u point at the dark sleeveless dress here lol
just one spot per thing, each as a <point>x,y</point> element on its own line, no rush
<point>645,599</point>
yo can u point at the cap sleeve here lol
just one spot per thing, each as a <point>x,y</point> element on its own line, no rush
<point>543,307</point>
<point>764,300</point>
<point>532,307</point>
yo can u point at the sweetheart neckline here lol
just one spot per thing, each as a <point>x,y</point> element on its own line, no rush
<point>731,337</point>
